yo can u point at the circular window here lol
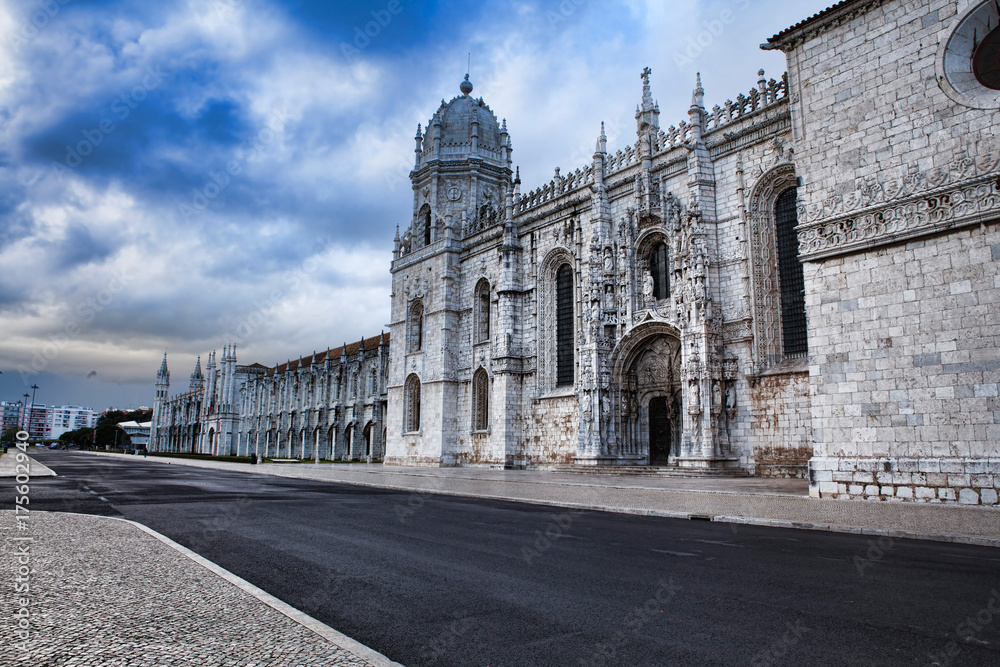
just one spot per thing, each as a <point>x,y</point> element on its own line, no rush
<point>986,61</point>
<point>968,64</point>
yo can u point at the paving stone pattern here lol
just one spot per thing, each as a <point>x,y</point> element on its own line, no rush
<point>106,594</point>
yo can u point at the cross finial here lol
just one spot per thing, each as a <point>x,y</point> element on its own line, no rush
<point>645,75</point>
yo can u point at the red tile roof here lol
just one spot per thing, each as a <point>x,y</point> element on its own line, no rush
<point>370,344</point>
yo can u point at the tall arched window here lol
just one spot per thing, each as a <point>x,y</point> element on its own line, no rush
<point>415,326</point>
<point>411,405</point>
<point>565,334</point>
<point>348,436</point>
<point>793,299</point>
<point>480,400</point>
<point>481,313</point>
<point>659,269</point>
<point>779,329</point>
<point>424,220</point>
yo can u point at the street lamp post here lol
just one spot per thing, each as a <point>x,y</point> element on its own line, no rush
<point>26,422</point>
<point>31,410</point>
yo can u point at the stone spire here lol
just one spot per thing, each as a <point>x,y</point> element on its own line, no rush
<point>197,378</point>
<point>162,390</point>
<point>647,116</point>
<point>697,110</point>
<point>419,139</point>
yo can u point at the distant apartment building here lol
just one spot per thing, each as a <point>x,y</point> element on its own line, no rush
<point>11,414</point>
<point>67,418</point>
<point>46,421</point>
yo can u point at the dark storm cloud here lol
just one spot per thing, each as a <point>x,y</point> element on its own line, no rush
<point>78,247</point>
<point>252,155</point>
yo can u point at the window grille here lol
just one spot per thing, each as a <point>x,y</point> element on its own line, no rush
<point>565,335</point>
<point>793,301</point>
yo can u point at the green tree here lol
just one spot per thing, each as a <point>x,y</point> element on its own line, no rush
<point>9,436</point>
<point>111,418</point>
<point>112,436</point>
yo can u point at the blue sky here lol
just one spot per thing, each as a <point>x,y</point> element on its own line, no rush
<point>177,174</point>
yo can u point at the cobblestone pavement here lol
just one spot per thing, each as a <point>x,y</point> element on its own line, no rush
<point>105,593</point>
<point>759,501</point>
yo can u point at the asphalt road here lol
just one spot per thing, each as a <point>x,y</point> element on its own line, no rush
<point>438,580</point>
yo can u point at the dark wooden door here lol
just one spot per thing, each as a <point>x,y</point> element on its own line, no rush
<point>659,430</point>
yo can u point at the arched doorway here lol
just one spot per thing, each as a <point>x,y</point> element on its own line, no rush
<point>647,374</point>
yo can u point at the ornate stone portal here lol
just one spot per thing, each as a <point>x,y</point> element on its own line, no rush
<point>651,401</point>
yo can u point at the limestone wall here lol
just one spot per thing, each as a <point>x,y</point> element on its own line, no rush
<point>900,233</point>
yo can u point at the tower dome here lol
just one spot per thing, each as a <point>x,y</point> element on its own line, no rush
<point>468,128</point>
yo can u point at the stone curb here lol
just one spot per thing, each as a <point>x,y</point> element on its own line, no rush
<point>325,631</point>
<point>771,523</point>
<point>8,469</point>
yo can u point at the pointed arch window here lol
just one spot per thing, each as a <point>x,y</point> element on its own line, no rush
<point>415,326</point>
<point>793,300</point>
<point>779,324</point>
<point>481,314</point>
<point>659,269</point>
<point>565,333</point>
<point>480,400</point>
<point>411,405</point>
<point>424,221</point>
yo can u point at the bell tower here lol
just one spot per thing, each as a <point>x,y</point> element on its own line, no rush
<point>462,184</point>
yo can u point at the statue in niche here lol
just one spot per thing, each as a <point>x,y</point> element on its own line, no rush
<point>647,287</point>
<point>605,411</point>
<point>609,262</point>
<point>716,397</point>
<point>731,397</point>
<point>694,393</point>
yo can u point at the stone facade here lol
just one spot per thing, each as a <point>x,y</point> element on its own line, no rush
<point>328,405</point>
<point>896,141</point>
<point>802,278</point>
<point>550,295</point>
